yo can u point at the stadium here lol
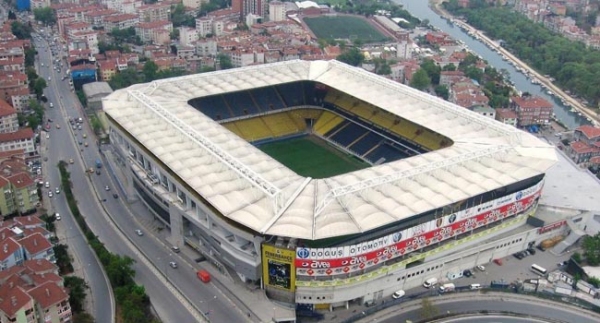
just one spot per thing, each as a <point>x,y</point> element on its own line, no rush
<point>323,183</point>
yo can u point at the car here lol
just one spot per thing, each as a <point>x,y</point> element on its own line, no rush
<point>467,273</point>
<point>47,185</point>
<point>175,249</point>
<point>518,255</point>
<point>57,191</point>
<point>71,161</point>
<point>47,136</point>
<point>116,196</point>
<point>173,264</point>
<point>84,135</point>
<point>106,188</point>
<point>57,126</point>
<point>98,172</point>
<point>79,127</point>
<point>80,143</point>
<point>85,144</point>
<point>481,268</point>
<point>139,232</point>
<point>531,251</point>
<point>49,78</point>
<point>50,194</point>
<point>57,217</point>
<point>398,294</point>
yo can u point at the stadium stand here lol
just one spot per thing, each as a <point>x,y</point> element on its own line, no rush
<point>365,143</point>
<point>253,129</point>
<point>283,124</point>
<point>212,106</point>
<point>267,99</point>
<point>241,103</point>
<point>385,151</point>
<point>291,93</point>
<point>326,122</point>
<point>346,133</point>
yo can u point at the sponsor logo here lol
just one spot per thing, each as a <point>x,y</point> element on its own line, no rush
<point>452,218</point>
<point>303,253</point>
<point>397,236</point>
<point>518,196</point>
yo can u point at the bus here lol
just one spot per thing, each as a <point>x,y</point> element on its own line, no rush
<point>538,270</point>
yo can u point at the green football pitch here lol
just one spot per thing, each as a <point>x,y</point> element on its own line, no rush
<point>311,156</point>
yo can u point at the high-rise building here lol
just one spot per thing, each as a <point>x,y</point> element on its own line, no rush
<point>244,7</point>
<point>277,11</point>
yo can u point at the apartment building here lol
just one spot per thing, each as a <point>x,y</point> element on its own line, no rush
<point>8,118</point>
<point>277,11</point>
<point>12,64</point>
<point>24,192</point>
<point>531,110</point>
<point>120,21</point>
<point>507,116</point>
<point>187,36</point>
<point>52,302</point>
<point>11,253</point>
<point>36,246</point>
<point>206,47</point>
<point>16,305</point>
<point>20,139</point>
<point>154,32</point>
<point>107,69</point>
<point>38,4</point>
<point>155,12</point>
<point>96,18</point>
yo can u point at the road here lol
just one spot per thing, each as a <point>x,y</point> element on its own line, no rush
<point>534,308</point>
<point>94,200</point>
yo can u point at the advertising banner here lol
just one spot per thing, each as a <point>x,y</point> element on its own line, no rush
<point>348,259</point>
<point>279,270</point>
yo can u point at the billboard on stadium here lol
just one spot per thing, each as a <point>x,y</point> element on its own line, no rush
<point>279,269</point>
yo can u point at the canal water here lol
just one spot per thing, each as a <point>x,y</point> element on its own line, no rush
<point>421,10</point>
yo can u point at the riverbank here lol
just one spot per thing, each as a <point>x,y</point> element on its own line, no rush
<point>436,6</point>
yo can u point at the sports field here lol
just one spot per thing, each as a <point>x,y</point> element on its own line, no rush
<point>344,27</point>
<point>312,157</point>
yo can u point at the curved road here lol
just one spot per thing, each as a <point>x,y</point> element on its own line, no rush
<point>89,191</point>
<point>531,306</point>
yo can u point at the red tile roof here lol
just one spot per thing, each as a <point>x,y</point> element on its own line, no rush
<point>29,221</point>
<point>20,180</point>
<point>40,266</point>
<point>531,102</point>
<point>12,299</point>
<point>40,279</point>
<point>589,131</point>
<point>595,160</point>
<point>581,147</point>
<point>48,294</point>
<point>35,243</point>
<point>25,133</point>
<point>6,274</point>
<point>506,114</point>
<point>6,109</point>
<point>8,247</point>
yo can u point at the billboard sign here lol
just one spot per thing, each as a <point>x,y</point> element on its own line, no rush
<point>279,269</point>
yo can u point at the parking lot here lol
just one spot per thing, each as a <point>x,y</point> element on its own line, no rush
<point>513,269</point>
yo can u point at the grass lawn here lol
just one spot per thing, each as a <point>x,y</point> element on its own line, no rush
<point>344,27</point>
<point>312,157</point>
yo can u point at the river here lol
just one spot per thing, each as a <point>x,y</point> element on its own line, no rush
<point>421,10</point>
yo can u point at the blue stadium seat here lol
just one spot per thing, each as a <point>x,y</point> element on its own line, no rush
<point>347,133</point>
<point>212,106</point>
<point>309,93</point>
<point>386,151</point>
<point>267,99</point>
<point>241,103</point>
<point>366,143</point>
<point>292,93</point>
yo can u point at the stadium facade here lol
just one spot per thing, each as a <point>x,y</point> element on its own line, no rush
<point>443,186</point>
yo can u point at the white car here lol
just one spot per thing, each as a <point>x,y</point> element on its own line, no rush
<point>107,188</point>
<point>481,268</point>
<point>57,217</point>
<point>57,191</point>
<point>173,264</point>
<point>398,294</point>
<point>47,184</point>
<point>50,194</point>
<point>139,232</point>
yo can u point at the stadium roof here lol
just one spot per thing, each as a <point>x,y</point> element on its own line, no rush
<point>253,189</point>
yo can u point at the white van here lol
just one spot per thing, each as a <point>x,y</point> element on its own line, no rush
<point>430,282</point>
<point>474,286</point>
<point>398,294</point>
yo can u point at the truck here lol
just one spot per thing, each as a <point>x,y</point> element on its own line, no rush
<point>98,163</point>
<point>549,243</point>
<point>446,288</point>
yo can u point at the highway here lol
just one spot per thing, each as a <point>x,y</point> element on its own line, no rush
<point>94,203</point>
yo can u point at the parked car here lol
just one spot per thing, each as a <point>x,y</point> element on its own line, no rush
<point>398,294</point>
<point>139,232</point>
<point>481,268</point>
<point>57,191</point>
<point>467,273</point>
<point>107,188</point>
<point>175,249</point>
<point>173,264</point>
<point>57,217</point>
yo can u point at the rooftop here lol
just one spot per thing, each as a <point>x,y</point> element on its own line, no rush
<point>48,294</point>
<point>590,132</point>
<point>251,188</point>
<point>35,244</point>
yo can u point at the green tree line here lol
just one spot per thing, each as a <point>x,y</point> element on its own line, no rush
<point>132,300</point>
<point>575,67</point>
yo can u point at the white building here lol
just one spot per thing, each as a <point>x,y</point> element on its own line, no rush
<point>277,11</point>
<point>187,36</point>
<point>20,139</point>
<point>8,118</point>
<point>204,26</point>
<point>37,4</point>
<point>194,4</point>
<point>206,47</point>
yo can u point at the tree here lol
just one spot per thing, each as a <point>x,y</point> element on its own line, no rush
<point>180,18</point>
<point>77,292</point>
<point>150,71</point>
<point>124,79</point>
<point>20,30</point>
<point>119,270</point>
<point>96,124</point>
<point>82,317</point>
<point>420,80</point>
<point>353,57</point>
<point>30,56</point>
<point>591,249</point>
<point>45,15</point>
<point>428,310</point>
<point>12,15</point>
<point>224,61</point>
<point>432,69</point>
<point>442,91</point>
<point>63,260</point>
<point>38,86</point>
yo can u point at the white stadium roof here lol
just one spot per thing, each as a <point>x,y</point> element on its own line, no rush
<point>253,189</point>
